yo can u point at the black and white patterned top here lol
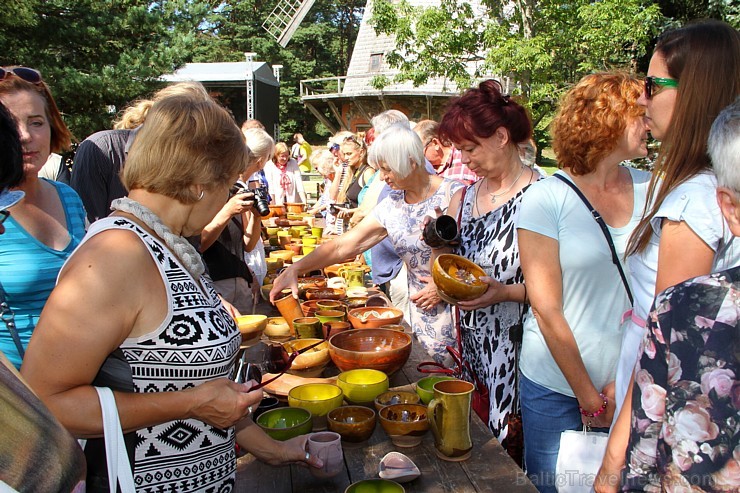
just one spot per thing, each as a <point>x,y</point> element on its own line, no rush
<point>196,342</point>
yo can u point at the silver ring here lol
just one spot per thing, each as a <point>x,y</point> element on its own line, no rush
<point>308,456</point>
<point>249,409</point>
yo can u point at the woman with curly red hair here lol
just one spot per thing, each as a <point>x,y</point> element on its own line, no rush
<point>571,338</point>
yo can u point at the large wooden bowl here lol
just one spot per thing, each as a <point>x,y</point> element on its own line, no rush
<point>312,362</point>
<point>457,278</point>
<point>377,349</point>
<point>373,317</point>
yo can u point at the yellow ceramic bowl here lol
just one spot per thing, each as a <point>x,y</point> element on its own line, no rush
<point>319,398</point>
<point>251,327</point>
<point>274,264</point>
<point>362,386</point>
<point>457,278</point>
<point>265,291</point>
<point>311,363</point>
<point>277,329</point>
<point>284,255</point>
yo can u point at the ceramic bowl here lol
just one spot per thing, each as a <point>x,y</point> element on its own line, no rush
<point>276,210</point>
<point>319,398</point>
<point>325,293</point>
<point>251,327</point>
<point>265,291</point>
<point>330,315</point>
<point>356,302</point>
<point>396,397</point>
<point>272,230</point>
<point>311,363</point>
<point>331,328</point>
<point>266,404</point>
<point>285,423</point>
<point>277,329</point>
<point>362,386</point>
<point>331,305</point>
<point>284,255</point>
<point>456,278</point>
<point>395,327</point>
<point>375,486</point>
<point>274,264</point>
<point>305,283</point>
<point>377,349</point>
<point>405,424</point>
<point>310,307</point>
<point>425,387</point>
<point>374,317</point>
<point>354,423</point>
<point>296,248</point>
<point>397,467</point>
<point>295,207</point>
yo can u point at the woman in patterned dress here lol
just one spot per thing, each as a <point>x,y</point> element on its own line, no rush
<point>133,310</point>
<point>415,194</point>
<point>488,127</point>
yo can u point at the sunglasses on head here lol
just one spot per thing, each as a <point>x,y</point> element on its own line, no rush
<point>28,74</point>
<point>653,85</point>
<point>275,360</point>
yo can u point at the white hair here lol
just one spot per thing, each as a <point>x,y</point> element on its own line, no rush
<point>260,144</point>
<point>397,147</point>
<point>323,161</point>
<point>382,121</point>
<point>724,146</point>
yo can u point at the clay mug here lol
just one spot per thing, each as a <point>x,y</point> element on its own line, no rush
<point>327,446</point>
<point>307,328</point>
<point>317,231</point>
<point>449,418</point>
<point>354,276</point>
<point>289,308</point>
<point>441,232</point>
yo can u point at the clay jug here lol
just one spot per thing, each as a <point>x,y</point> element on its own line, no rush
<point>449,418</point>
<point>289,308</point>
<point>327,446</point>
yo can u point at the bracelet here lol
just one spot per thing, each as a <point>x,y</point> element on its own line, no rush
<point>599,411</point>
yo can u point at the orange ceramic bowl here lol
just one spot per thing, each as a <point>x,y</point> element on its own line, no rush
<point>377,349</point>
<point>373,317</point>
<point>325,293</point>
<point>457,278</point>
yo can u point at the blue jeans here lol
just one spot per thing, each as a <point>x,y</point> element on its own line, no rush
<point>545,414</point>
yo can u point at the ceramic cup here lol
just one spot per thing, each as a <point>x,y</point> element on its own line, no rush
<point>289,308</point>
<point>317,231</point>
<point>449,418</point>
<point>331,328</point>
<point>354,276</point>
<point>330,305</point>
<point>440,232</point>
<point>327,446</point>
<point>307,328</point>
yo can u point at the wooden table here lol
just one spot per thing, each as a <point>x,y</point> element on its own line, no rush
<point>488,469</point>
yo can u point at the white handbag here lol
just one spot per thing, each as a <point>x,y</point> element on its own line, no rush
<point>119,469</point>
<point>579,460</point>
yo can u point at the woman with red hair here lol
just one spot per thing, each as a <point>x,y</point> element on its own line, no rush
<point>572,335</point>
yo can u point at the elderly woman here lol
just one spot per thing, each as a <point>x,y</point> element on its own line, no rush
<point>284,177</point>
<point>415,194</point>
<point>488,127</point>
<point>572,335</point>
<point>44,228</point>
<point>133,311</point>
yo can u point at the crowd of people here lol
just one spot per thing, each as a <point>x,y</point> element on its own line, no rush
<point>611,295</point>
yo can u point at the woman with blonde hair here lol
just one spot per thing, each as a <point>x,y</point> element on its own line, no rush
<point>284,177</point>
<point>571,336</point>
<point>133,311</point>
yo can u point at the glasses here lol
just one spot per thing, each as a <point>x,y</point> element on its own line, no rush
<point>25,73</point>
<point>275,360</point>
<point>358,142</point>
<point>3,216</point>
<point>653,85</point>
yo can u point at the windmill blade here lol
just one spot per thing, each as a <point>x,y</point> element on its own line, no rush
<point>285,18</point>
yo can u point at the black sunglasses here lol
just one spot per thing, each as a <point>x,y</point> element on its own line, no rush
<point>3,216</point>
<point>653,85</point>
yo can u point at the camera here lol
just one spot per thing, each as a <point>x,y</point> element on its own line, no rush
<point>261,196</point>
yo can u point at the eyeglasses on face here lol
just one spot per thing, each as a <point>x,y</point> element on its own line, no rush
<point>653,85</point>
<point>3,216</point>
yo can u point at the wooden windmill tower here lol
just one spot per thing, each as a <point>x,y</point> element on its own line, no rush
<point>285,18</point>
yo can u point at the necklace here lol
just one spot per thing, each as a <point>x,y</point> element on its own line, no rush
<point>494,196</point>
<point>180,247</point>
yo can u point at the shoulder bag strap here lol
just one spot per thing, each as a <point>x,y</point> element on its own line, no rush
<point>455,309</point>
<point>9,318</point>
<point>119,468</point>
<point>604,229</point>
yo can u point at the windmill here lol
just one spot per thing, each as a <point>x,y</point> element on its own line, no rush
<point>285,18</point>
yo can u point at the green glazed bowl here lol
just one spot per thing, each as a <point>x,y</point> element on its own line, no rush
<point>375,486</point>
<point>285,423</point>
<point>425,387</point>
<point>362,386</point>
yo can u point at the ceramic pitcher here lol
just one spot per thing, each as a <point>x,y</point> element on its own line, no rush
<point>327,446</point>
<point>354,276</point>
<point>449,418</point>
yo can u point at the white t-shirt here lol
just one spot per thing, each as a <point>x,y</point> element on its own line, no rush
<point>594,297</point>
<point>294,188</point>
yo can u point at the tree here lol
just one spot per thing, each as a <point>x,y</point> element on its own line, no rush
<point>98,55</point>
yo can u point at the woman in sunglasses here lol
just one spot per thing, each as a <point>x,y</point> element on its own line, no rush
<point>44,228</point>
<point>693,74</point>
<point>134,312</point>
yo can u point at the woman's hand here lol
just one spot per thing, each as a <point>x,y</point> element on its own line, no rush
<point>255,441</point>
<point>241,202</point>
<point>609,476</point>
<point>223,403</point>
<point>288,279</point>
<point>346,213</point>
<point>603,420</point>
<point>496,293</point>
<point>426,298</point>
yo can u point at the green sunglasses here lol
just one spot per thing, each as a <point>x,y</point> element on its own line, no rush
<point>653,85</point>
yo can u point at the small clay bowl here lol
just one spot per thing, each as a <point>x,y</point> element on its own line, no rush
<point>354,424</point>
<point>251,327</point>
<point>319,398</point>
<point>362,386</point>
<point>374,317</point>
<point>457,278</point>
<point>325,293</point>
<point>277,329</point>
<point>284,423</point>
<point>310,363</point>
<point>375,486</point>
<point>405,424</point>
<point>391,397</point>
<point>425,387</point>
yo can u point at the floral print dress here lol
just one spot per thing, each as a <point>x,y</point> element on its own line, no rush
<point>686,398</point>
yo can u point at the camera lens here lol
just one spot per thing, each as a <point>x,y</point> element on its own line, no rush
<point>261,201</point>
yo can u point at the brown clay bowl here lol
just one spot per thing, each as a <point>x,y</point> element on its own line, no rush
<point>374,317</point>
<point>325,294</point>
<point>251,327</point>
<point>396,397</point>
<point>295,207</point>
<point>312,306</point>
<point>353,423</point>
<point>276,211</point>
<point>378,349</point>
<point>405,424</point>
<point>356,302</point>
<point>311,363</point>
<point>277,329</point>
<point>457,278</point>
<point>305,283</point>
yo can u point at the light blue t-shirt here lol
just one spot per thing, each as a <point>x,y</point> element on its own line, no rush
<point>594,297</point>
<point>29,269</point>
